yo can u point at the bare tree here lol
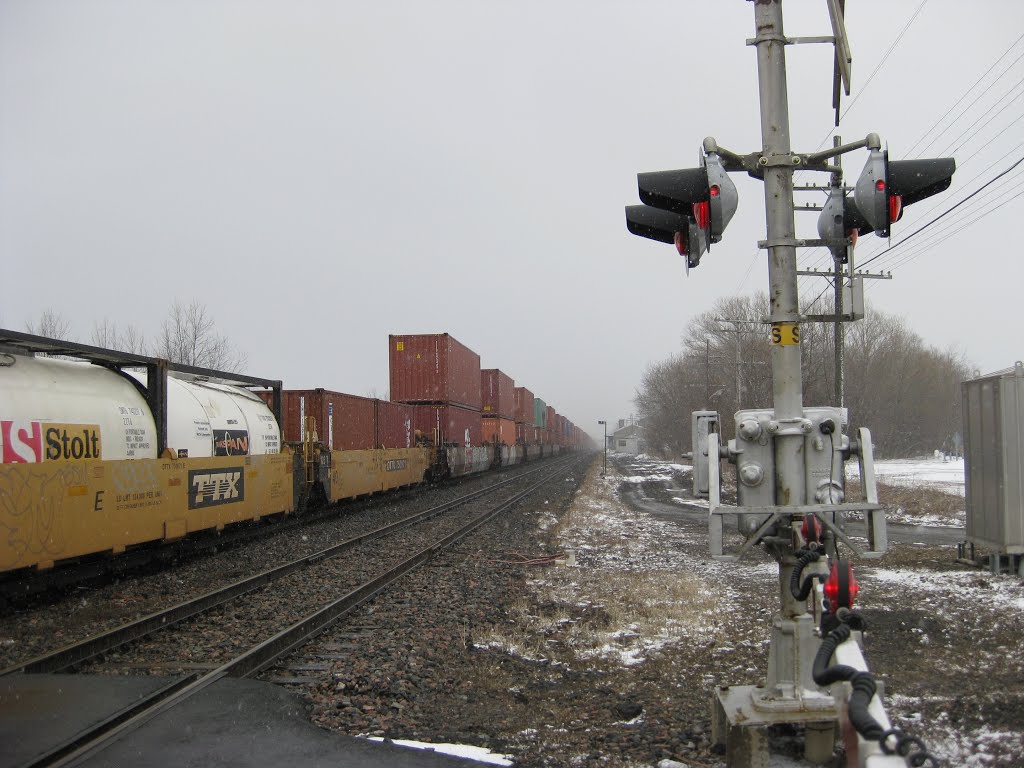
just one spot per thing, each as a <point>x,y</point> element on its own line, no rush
<point>105,333</point>
<point>52,325</point>
<point>131,339</point>
<point>188,336</point>
<point>906,392</point>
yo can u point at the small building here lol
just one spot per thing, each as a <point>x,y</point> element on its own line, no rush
<point>628,439</point>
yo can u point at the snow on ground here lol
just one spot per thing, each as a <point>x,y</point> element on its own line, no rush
<point>618,543</point>
<point>479,754</point>
<point>932,472</point>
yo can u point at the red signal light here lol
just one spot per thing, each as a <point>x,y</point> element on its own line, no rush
<point>895,207</point>
<point>880,185</point>
<point>702,214</point>
<point>812,530</point>
<point>681,244</point>
<point>715,191</point>
<point>841,588</point>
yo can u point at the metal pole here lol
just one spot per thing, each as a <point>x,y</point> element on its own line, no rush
<point>789,687</point>
<point>739,371</point>
<point>778,163</point>
<point>839,336</point>
<point>707,372</point>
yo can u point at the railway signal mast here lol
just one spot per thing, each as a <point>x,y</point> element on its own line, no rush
<point>789,459</point>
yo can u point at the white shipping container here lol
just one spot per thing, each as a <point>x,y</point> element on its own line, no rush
<point>58,410</point>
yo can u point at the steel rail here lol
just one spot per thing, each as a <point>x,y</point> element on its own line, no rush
<point>267,652</point>
<point>76,653</point>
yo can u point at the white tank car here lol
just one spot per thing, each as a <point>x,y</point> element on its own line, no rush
<point>57,410</point>
<point>52,410</point>
<point>206,418</point>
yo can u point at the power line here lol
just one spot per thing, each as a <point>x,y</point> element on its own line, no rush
<point>964,213</point>
<point>936,206</point>
<point>982,117</point>
<point>943,214</point>
<point>881,63</point>
<point>965,94</point>
<point>819,256</point>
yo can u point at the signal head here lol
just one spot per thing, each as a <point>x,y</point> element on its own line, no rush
<point>885,187</point>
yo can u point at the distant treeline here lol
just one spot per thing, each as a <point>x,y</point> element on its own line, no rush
<point>906,392</point>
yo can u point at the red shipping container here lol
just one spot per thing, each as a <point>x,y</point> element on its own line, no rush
<point>551,419</point>
<point>448,424</point>
<point>524,406</point>
<point>434,368</point>
<point>498,430</point>
<point>395,427</point>
<point>343,422</point>
<point>524,434</point>
<point>497,393</point>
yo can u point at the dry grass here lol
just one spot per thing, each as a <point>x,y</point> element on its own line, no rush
<point>915,502</point>
<point>593,608</point>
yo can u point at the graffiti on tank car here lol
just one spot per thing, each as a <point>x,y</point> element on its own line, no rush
<point>32,512</point>
<point>33,442</point>
<point>210,488</point>
<point>396,465</point>
<point>231,442</point>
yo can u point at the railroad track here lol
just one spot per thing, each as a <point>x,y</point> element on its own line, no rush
<point>315,575</point>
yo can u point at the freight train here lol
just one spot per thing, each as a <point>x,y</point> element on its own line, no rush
<point>109,456</point>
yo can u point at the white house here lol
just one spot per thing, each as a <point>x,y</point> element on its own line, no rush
<point>627,439</point>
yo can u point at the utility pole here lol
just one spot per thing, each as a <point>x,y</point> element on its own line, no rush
<point>737,331</point>
<point>778,163</point>
<point>839,332</point>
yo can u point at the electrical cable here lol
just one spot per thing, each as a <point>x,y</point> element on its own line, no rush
<point>876,251</point>
<point>816,255</point>
<point>965,94</point>
<point>981,117</point>
<point>943,214</point>
<point>881,63</point>
<point>964,218</point>
<point>746,274</point>
<point>864,689</point>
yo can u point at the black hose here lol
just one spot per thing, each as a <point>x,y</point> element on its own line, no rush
<point>864,688</point>
<point>798,590</point>
<point>863,684</point>
<point>824,674</point>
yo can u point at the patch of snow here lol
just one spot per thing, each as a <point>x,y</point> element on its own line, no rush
<point>479,754</point>
<point>916,473</point>
<point>972,585</point>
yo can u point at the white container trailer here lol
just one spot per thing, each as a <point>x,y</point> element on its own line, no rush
<point>993,414</point>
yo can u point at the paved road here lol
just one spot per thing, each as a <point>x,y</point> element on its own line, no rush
<point>696,513</point>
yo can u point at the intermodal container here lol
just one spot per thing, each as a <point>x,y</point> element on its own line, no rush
<point>342,422</point>
<point>524,434</point>
<point>395,425</point>
<point>549,420</point>
<point>450,425</point>
<point>497,393</point>
<point>524,406</point>
<point>498,430</point>
<point>540,413</point>
<point>434,368</point>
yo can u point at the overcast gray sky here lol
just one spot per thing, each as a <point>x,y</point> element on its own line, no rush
<point>322,174</point>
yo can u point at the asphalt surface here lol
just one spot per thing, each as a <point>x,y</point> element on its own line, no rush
<point>234,722</point>
<point>898,533</point>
